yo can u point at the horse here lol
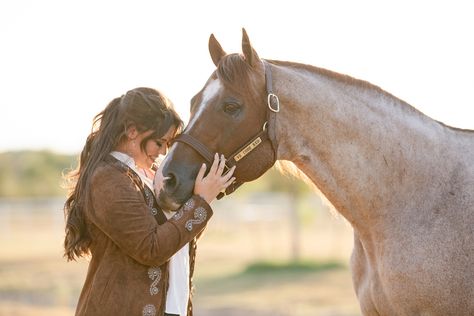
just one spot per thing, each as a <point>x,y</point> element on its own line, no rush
<point>404,181</point>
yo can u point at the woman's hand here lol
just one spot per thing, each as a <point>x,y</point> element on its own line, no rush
<point>210,186</point>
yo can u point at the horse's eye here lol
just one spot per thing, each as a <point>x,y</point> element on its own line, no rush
<point>231,108</point>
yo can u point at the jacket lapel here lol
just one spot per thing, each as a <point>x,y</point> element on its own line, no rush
<point>148,195</point>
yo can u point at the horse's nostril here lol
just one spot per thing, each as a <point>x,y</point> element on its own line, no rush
<point>171,182</point>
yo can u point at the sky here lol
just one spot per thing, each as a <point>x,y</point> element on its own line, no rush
<point>62,61</point>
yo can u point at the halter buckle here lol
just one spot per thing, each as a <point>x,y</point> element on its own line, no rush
<point>273,97</point>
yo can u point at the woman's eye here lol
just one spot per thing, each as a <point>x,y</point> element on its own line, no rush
<point>159,144</point>
<point>231,108</point>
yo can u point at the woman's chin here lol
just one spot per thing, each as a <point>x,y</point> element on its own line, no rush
<point>151,160</point>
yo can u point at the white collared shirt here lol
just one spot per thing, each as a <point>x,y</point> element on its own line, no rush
<point>178,290</point>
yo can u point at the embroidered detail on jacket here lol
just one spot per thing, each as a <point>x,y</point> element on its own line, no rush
<point>149,201</point>
<point>154,211</point>
<point>189,205</point>
<point>200,216</point>
<point>149,310</point>
<point>154,274</point>
<point>178,214</point>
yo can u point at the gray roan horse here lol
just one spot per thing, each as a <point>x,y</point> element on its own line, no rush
<point>404,181</point>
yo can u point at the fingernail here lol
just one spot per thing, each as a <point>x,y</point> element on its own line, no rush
<point>203,165</point>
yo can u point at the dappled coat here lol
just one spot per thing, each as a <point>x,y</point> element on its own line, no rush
<point>132,242</point>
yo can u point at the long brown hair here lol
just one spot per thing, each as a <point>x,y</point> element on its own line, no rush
<point>145,108</point>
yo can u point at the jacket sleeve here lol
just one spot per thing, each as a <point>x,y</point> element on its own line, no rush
<point>120,212</point>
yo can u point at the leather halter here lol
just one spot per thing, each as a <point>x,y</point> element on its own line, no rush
<point>273,107</point>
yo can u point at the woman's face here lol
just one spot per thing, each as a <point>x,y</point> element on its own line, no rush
<point>153,148</point>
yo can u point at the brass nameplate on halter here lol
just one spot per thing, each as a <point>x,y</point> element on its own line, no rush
<point>248,149</point>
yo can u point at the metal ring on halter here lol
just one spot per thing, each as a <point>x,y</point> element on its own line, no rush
<point>265,126</point>
<point>269,99</point>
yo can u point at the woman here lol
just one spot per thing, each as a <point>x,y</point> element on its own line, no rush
<point>141,258</point>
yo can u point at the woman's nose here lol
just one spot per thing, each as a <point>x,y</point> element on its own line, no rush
<point>163,150</point>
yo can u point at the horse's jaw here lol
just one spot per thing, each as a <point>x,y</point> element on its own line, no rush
<point>166,202</point>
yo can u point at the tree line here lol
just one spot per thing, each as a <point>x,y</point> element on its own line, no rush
<point>30,173</point>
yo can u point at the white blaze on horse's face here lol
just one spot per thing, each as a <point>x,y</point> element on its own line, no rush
<point>210,91</point>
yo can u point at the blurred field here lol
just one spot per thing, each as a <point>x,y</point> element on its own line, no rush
<point>242,269</point>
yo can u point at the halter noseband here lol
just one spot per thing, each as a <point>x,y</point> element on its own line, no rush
<point>273,106</point>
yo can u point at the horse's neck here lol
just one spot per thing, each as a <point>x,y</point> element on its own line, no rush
<point>364,149</point>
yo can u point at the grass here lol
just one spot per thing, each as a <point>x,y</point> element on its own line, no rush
<point>262,273</point>
<point>276,288</point>
<point>291,267</point>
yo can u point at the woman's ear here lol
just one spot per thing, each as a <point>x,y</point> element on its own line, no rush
<point>132,132</point>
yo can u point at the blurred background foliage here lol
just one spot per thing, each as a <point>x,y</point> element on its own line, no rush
<point>40,173</point>
<point>274,240</point>
<point>33,173</point>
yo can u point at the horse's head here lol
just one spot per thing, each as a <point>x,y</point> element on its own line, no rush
<point>228,116</point>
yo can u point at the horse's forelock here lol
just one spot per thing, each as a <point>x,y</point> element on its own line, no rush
<point>235,73</point>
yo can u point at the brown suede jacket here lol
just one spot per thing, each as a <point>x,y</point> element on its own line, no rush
<point>132,242</point>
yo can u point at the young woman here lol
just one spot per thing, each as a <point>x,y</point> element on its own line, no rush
<point>141,257</point>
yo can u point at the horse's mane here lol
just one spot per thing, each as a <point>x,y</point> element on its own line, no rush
<point>235,74</point>
<point>289,169</point>
<point>345,79</point>
<point>234,71</point>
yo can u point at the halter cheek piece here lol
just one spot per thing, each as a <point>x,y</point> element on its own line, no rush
<point>273,107</point>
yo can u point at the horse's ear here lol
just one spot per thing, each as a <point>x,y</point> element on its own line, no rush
<point>250,54</point>
<point>215,49</point>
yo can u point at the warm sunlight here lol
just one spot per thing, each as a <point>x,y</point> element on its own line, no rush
<point>386,211</point>
<point>63,61</point>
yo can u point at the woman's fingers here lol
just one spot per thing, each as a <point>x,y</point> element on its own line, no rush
<point>201,173</point>
<point>215,165</point>
<point>220,169</point>
<point>215,181</point>
<point>228,174</point>
<point>229,182</point>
